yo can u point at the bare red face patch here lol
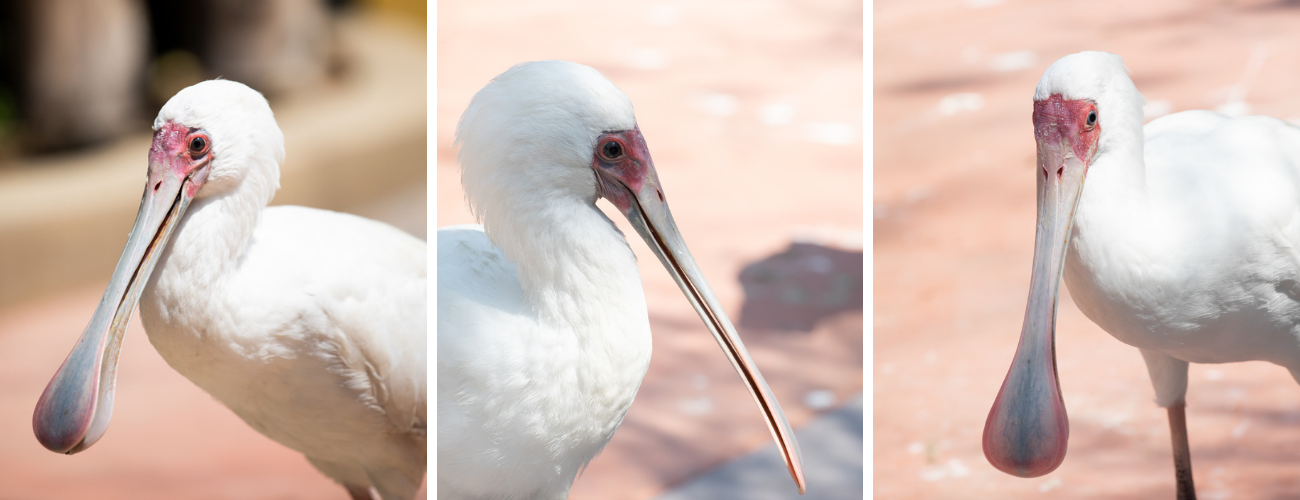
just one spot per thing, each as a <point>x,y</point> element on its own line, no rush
<point>622,164</point>
<point>168,142</point>
<point>1074,121</point>
<point>179,151</point>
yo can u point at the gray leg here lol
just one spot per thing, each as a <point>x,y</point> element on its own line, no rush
<point>1182,453</point>
<point>1169,377</point>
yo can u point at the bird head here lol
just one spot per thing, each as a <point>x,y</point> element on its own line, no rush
<point>531,135</point>
<point>222,135</point>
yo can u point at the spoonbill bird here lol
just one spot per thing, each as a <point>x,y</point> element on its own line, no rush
<point>308,324</point>
<point>1184,245</point>
<point>543,334</point>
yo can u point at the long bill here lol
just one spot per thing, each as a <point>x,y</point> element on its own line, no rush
<point>650,216</point>
<point>75,408</point>
<point>1027,428</point>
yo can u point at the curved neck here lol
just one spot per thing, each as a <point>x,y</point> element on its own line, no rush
<point>575,267</point>
<point>213,235</point>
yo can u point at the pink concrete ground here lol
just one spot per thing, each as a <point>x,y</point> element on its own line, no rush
<point>701,75</point>
<point>953,208</point>
<point>168,438</point>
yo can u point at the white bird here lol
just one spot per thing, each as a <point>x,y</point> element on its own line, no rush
<point>543,334</point>
<point>308,324</point>
<point>1184,245</point>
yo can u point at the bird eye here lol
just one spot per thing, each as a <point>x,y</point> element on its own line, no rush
<point>612,150</point>
<point>1092,118</point>
<point>198,145</point>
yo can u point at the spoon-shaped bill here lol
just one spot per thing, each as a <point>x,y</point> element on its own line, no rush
<point>74,411</point>
<point>1027,428</point>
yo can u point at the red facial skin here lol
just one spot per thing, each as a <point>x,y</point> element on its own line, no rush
<point>1059,120</point>
<point>622,177</point>
<point>172,152</point>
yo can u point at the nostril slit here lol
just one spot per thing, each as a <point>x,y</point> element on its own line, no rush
<point>156,186</point>
<point>1059,171</point>
<point>661,195</point>
<point>1044,172</point>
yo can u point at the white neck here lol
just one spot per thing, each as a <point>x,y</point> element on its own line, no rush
<point>1118,172</point>
<point>580,278</point>
<point>206,247</point>
<point>1117,235</point>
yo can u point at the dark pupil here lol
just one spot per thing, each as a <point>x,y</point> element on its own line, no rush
<point>613,150</point>
<point>1092,117</point>
<point>197,144</point>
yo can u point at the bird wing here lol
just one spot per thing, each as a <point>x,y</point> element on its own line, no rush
<point>367,283</point>
<point>1240,179</point>
<point>479,299</point>
<point>483,347</point>
<point>471,268</point>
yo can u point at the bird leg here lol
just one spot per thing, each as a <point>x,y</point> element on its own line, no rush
<point>1169,378</point>
<point>1182,452</point>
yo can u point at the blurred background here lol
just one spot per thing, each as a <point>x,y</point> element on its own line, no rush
<point>80,83</point>
<point>752,111</point>
<point>953,208</point>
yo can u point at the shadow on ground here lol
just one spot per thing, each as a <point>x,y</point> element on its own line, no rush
<point>804,284</point>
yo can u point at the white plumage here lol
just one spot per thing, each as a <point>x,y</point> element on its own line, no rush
<point>543,334</point>
<point>524,404</point>
<point>308,324</point>
<point>1184,245</point>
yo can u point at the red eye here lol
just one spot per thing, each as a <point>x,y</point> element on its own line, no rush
<point>611,150</point>
<point>198,145</point>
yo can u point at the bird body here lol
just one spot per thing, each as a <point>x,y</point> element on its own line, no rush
<point>543,332</point>
<point>308,324</point>
<point>310,335</point>
<point>502,429</point>
<point>1183,244</point>
<point>1197,259</point>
